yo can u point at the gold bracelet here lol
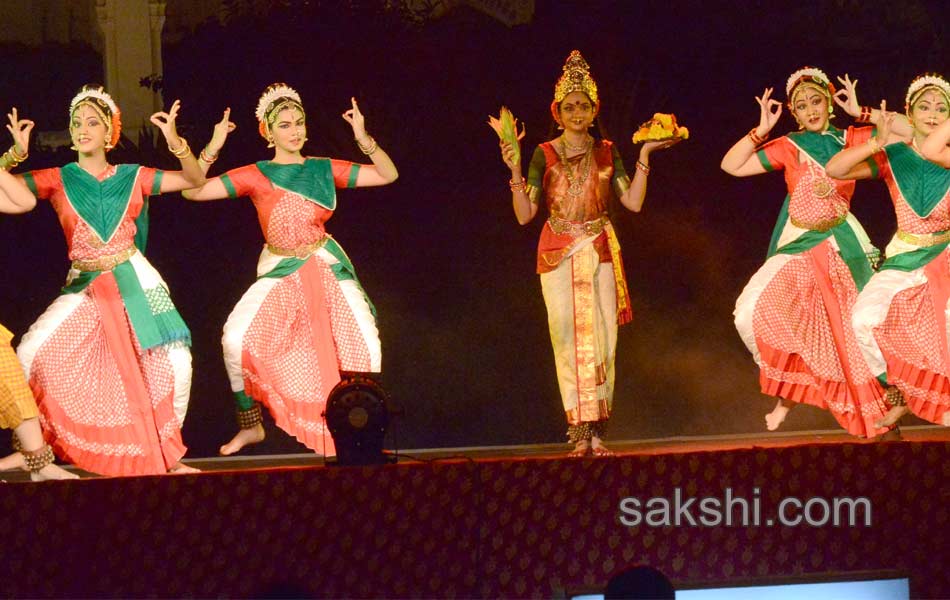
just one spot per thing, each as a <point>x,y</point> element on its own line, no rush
<point>370,148</point>
<point>643,167</point>
<point>207,156</point>
<point>16,156</point>
<point>182,151</point>
<point>875,147</point>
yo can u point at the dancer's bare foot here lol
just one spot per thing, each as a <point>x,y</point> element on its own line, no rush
<point>893,416</point>
<point>13,461</point>
<point>181,467</point>
<point>946,419</point>
<point>581,448</point>
<point>891,435</point>
<point>52,472</point>
<point>777,416</point>
<point>597,448</point>
<point>244,437</point>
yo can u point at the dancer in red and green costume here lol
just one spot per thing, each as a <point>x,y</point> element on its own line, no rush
<point>306,318</point>
<point>900,318</point>
<point>579,262</point>
<point>108,361</point>
<point>794,315</point>
<point>18,409</point>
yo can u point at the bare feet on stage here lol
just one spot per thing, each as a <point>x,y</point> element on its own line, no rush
<point>581,448</point>
<point>946,419</point>
<point>894,435</point>
<point>13,461</point>
<point>246,437</point>
<point>181,467</point>
<point>597,448</point>
<point>777,416</point>
<point>52,472</point>
<point>893,416</point>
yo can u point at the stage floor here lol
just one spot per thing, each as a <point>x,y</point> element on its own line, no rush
<point>674,445</point>
<point>488,522</point>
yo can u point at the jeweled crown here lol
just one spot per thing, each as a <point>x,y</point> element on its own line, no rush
<point>575,78</point>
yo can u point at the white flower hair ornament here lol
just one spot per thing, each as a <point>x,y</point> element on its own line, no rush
<point>806,74</point>
<point>272,95</point>
<point>918,85</point>
<point>96,93</point>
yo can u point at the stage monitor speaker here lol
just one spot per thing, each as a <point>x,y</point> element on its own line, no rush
<point>358,413</point>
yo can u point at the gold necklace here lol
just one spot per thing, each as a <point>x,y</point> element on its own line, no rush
<point>575,183</point>
<point>582,148</point>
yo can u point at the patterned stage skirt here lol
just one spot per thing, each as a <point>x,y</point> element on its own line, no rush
<point>901,322</point>
<point>794,315</point>
<point>286,341</point>
<point>106,405</point>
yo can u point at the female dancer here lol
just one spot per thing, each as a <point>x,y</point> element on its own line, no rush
<point>900,318</point>
<point>108,361</point>
<point>17,408</point>
<point>306,318</point>
<point>794,315</point>
<point>579,262</point>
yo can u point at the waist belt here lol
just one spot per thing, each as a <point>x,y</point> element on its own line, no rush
<point>302,251</point>
<point>823,225</point>
<point>923,240</point>
<point>104,263</point>
<point>561,226</point>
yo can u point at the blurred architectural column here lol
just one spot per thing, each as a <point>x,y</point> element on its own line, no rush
<point>132,52</point>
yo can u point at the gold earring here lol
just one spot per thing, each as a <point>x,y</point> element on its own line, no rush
<point>270,142</point>
<point>74,147</point>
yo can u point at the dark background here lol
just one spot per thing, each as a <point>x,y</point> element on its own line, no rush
<point>463,325</point>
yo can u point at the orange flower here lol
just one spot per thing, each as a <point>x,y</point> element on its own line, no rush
<point>661,127</point>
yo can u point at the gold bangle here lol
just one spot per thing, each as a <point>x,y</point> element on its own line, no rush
<point>370,148</point>
<point>875,147</point>
<point>643,167</point>
<point>182,151</point>
<point>207,156</point>
<point>16,156</point>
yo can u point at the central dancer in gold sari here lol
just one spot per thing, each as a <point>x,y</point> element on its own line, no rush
<point>582,276</point>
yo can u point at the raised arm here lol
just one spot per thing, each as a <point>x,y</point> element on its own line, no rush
<point>213,189</point>
<point>383,170</point>
<point>525,208</point>
<point>935,147</point>
<point>15,197</point>
<point>633,198</point>
<point>851,163</point>
<point>191,174</point>
<point>847,99</point>
<point>740,160</point>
